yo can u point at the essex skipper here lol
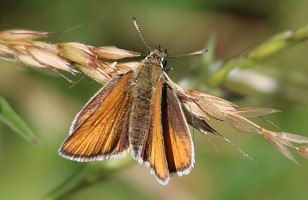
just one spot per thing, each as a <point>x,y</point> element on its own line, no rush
<point>138,112</point>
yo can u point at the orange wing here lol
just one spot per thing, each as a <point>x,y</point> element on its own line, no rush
<point>154,151</point>
<point>100,130</point>
<point>177,138</point>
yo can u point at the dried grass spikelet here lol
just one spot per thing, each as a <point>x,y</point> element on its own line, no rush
<point>114,53</point>
<point>282,140</point>
<point>5,51</point>
<point>28,60</point>
<point>21,35</point>
<point>87,59</point>
<point>19,45</point>
<point>47,58</point>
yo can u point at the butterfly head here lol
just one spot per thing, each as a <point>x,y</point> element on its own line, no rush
<point>159,55</point>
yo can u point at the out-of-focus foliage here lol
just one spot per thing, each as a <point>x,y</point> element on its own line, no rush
<point>48,103</point>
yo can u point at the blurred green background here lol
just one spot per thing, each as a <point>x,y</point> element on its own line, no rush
<point>48,103</point>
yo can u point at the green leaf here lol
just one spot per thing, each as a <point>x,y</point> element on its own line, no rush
<point>9,117</point>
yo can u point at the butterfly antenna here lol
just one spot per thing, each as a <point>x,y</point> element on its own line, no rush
<point>140,34</point>
<point>190,54</point>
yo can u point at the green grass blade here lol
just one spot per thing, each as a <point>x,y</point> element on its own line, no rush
<point>259,54</point>
<point>9,117</point>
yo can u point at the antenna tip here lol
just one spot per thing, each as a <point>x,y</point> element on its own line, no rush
<point>204,50</point>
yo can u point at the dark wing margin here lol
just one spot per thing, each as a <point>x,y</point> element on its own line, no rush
<point>198,123</point>
<point>178,142</point>
<point>100,130</point>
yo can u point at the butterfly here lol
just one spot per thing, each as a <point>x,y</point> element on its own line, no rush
<point>142,111</point>
<point>138,112</point>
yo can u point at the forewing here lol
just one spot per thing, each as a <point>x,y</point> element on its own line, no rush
<point>100,130</point>
<point>92,105</point>
<point>178,143</point>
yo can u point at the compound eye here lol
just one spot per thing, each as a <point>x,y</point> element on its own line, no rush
<point>164,62</point>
